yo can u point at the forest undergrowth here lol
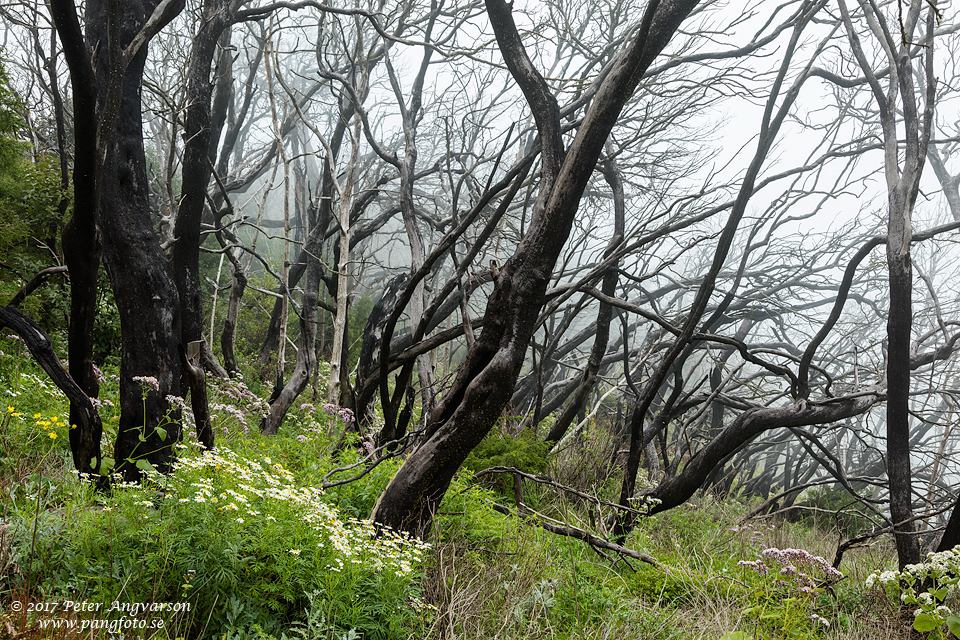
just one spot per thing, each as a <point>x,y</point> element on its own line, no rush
<point>243,543</point>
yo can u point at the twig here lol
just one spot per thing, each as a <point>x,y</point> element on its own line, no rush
<point>595,542</point>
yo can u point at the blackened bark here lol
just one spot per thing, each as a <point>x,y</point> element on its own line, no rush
<point>197,163</point>
<point>372,334</point>
<point>193,374</point>
<point>34,283</point>
<point>81,237</point>
<point>676,490</point>
<point>228,337</point>
<point>85,437</point>
<point>488,375</point>
<point>899,324</point>
<point>146,295</point>
<point>185,258</point>
<point>951,534</point>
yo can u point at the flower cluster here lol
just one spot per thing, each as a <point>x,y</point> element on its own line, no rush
<point>786,586</point>
<point>335,410</point>
<point>267,485</point>
<point>798,570</point>
<point>236,392</point>
<point>28,380</point>
<point>48,425</point>
<point>99,403</point>
<point>147,382</point>
<point>940,574</point>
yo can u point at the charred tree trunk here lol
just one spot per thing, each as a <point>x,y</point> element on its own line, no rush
<point>899,324</point>
<point>306,360</point>
<point>228,337</point>
<point>81,238</point>
<point>903,186</point>
<point>85,438</point>
<point>486,379</point>
<point>197,163</point>
<point>146,295</point>
<point>372,335</point>
<point>674,491</point>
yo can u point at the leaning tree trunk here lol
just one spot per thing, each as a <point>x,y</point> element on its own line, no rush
<point>486,378</point>
<point>85,438</point>
<point>611,174</point>
<point>306,360</point>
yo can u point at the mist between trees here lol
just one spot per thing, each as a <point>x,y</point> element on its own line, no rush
<point>722,237</point>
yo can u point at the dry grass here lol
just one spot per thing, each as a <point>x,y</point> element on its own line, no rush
<point>531,584</point>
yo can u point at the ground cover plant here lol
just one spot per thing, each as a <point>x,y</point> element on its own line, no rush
<point>565,305</point>
<point>243,536</point>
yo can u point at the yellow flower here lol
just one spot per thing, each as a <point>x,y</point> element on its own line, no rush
<point>53,436</point>
<point>37,416</point>
<point>9,409</point>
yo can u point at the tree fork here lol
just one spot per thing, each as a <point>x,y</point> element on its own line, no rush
<point>486,379</point>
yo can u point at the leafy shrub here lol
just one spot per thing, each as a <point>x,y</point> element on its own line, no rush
<point>499,449</point>
<point>926,587</point>
<point>846,517</point>
<point>238,538</point>
<point>661,585</point>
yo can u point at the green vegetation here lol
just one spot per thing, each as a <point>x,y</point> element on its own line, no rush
<point>246,540</point>
<point>30,195</point>
<point>242,543</point>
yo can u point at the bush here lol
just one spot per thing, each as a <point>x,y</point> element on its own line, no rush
<point>523,451</point>
<point>846,517</point>
<point>237,538</point>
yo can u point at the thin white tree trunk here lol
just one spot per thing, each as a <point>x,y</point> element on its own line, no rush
<point>343,275</point>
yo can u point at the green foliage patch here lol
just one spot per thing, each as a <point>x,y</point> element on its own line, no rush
<point>239,538</point>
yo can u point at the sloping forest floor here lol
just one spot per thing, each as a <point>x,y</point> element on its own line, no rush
<point>243,545</point>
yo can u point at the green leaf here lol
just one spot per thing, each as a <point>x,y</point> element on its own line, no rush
<point>925,622</point>
<point>143,465</point>
<point>953,623</point>
<point>162,433</point>
<point>142,438</point>
<point>939,594</point>
<point>106,464</point>
<point>737,635</point>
